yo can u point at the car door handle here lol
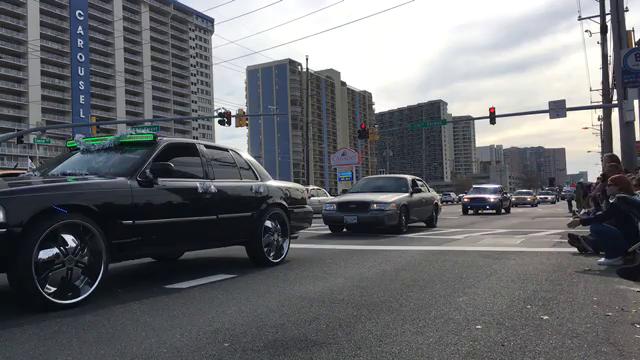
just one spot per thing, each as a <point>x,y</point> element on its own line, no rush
<point>258,189</point>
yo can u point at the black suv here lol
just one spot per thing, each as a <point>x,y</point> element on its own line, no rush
<point>486,197</point>
<point>111,199</point>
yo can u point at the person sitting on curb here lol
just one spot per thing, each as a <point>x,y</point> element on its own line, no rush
<point>613,231</point>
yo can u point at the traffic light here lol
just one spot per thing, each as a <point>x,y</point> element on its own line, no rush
<point>20,139</point>
<point>363,132</point>
<point>241,119</point>
<point>492,115</point>
<point>224,118</point>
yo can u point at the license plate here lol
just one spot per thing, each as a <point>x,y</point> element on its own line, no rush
<point>350,219</point>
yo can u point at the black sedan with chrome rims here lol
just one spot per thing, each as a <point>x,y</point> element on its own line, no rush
<point>116,198</point>
<point>383,201</point>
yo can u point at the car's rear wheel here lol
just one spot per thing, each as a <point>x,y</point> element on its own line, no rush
<point>465,211</point>
<point>60,261</point>
<point>432,220</point>
<point>336,229</point>
<point>269,245</point>
<point>403,221</point>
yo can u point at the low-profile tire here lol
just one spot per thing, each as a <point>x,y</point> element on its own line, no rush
<point>432,220</point>
<point>534,205</point>
<point>59,262</point>
<point>515,206</point>
<point>168,257</point>
<point>336,229</point>
<point>269,244</point>
<point>465,211</point>
<point>403,221</point>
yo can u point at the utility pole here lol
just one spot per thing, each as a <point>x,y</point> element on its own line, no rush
<point>607,131</point>
<point>627,126</point>
<point>307,124</point>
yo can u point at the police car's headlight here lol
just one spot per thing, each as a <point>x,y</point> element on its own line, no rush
<point>329,207</point>
<point>383,206</point>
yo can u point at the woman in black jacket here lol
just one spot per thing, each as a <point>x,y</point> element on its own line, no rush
<point>614,230</point>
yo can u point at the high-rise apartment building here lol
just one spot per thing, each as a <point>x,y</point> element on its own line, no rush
<point>538,166</point>
<point>405,148</point>
<point>335,111</point>
<point>464,147</point>
<point>69,60</point>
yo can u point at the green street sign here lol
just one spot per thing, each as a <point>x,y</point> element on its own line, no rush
<point>147,128</point>
<point>42,141</point>
<point>427,124</point>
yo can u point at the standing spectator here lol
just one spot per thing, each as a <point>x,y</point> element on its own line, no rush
<point>569,199</point>
<point>579,195</point>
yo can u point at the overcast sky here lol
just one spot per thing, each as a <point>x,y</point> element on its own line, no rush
<point>513,54</point>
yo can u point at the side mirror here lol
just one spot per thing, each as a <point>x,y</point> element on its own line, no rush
<point>161,170</point>
<point>311,196</point>
<point>416,190</point>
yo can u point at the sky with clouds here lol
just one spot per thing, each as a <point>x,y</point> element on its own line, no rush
<point>513,54</point>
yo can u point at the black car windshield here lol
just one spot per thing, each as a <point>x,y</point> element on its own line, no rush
<point>112,162</point>
<point>381,185</point>
<point>482,190</point>
<point>545,193</point>
<point>523,192</point>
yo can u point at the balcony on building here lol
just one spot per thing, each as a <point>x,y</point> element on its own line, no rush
<point>11,22</point>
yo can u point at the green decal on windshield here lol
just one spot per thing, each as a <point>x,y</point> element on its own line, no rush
<point>130,138</point>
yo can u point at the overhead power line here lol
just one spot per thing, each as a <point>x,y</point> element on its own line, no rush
<point>279,25</point>
<point>316,34</point>
<point>219,5</point>
<point>247,13</point>
<point>244,47</point>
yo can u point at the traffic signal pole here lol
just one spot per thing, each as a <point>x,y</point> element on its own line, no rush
<point>607,131</point>
<point>627,123</point>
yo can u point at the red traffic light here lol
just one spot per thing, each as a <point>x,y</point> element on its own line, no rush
<point>363,125</point>
<point>492,110</point>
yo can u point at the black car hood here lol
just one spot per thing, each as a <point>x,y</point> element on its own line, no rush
<point>38,184</point>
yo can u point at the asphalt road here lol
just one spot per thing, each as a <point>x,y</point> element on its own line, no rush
<point>485,286</point>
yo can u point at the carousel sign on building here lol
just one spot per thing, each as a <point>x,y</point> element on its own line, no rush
<point>80,66</point>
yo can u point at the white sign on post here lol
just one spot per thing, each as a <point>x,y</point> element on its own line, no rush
<point>558,109</point>
<point>345,157</point>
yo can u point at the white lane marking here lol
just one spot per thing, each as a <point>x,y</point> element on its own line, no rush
<point>449,217</point>
<point>316,231</point>
<point>464,236</point>
<point>549,232</point>
<point>201,281</point>
<point>430,248</point>
<point>433,232</point>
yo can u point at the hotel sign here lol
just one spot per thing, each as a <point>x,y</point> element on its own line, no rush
<point>80,66</point>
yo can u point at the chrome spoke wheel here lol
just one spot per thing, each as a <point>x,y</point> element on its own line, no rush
<point>68,261</point>
<point>275,238</point>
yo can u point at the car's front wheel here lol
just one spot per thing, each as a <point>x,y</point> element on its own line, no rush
<point>269,245</point>
<point>403,221</point>
<point>60,261</point>
<point>432,220</point>
<point>336,229</point>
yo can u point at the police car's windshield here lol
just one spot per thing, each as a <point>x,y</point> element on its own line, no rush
<point>113,162</point>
